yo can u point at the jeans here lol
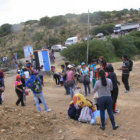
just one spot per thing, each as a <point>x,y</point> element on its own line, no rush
<point>41,97</point>
<point>72,91</point>
<point>87,86</point>
<point>105,102</point>
<point>93,82</point>
<point>125,78</point>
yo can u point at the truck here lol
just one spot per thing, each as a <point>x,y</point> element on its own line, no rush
<point>71,41</point>
<point>122,28</point>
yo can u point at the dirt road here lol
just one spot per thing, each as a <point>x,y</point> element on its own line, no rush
<point>25,123</point>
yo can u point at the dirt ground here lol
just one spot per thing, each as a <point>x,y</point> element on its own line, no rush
<point>25,123</point>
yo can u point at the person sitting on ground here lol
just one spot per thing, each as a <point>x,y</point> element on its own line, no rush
<point>35,84</point>
<point>104,87</point>
<point>19,90</point>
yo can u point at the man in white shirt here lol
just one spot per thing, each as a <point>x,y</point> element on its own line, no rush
<point>26,74</point>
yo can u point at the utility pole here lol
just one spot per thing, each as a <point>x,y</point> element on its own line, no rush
<point>88,37</point>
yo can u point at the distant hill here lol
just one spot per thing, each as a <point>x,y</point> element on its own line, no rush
<point>53,30</point>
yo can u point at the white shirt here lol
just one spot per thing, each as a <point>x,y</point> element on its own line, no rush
<point>26,73</point>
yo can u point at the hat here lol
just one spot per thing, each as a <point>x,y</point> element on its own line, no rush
<point>23,67</point>
<point>83,63</point>
<point>73,65</point>
<point>18,77</point>
<point>70,66</point>
<point>35,72</point>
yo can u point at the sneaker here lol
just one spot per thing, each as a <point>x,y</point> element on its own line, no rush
<point>48,110</point>
<point>115,127</point>
<point>102,128</point>
<point>126,91</point>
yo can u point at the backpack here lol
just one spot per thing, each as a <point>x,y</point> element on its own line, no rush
<point>73,112</point>
<point>130,65</point>
<point>28,65</point>
<point>37,86</point>
<point>86,79</point>
<point>85,115</point>
<point>69,83</point>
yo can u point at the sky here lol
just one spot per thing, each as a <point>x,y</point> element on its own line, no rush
<point>17,11</point>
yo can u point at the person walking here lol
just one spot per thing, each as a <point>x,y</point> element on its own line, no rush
<point>19,90</point>
<point>35,84</point>
<point>85,73</point>
<point>104,87</point>
<point>125,72</point>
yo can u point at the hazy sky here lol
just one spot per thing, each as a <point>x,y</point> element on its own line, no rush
<point>16,11</point>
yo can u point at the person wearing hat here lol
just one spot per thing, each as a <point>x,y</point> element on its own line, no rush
<point>35,84</point>
<point>85,72</point>
<point>19,90</point>
<point>125,72</point>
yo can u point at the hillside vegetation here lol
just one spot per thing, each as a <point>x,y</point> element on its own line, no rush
<point>53,30</point>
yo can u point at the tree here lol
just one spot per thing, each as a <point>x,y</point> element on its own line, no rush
<point>5,29</point>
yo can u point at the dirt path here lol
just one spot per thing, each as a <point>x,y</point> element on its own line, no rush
<point>20,123</point>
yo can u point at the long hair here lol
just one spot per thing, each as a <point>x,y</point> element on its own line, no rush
<point>103,77</point>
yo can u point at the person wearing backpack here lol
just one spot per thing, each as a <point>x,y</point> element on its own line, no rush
<point>35,84</point>
<point>115,82</point>
<point>125,72</point>
<point>104,87</point>
<point>85,73</point>
<point>70,82</point>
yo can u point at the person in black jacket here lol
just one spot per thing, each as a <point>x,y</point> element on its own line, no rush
<point>115,82</point>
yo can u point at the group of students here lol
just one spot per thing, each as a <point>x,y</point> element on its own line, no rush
<point>104,81</point>
<point>30,79</point>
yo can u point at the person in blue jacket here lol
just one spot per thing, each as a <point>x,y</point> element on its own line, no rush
<point>35,84</point>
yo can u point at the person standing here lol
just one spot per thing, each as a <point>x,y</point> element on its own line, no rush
<point>70,77</point>
<point>104,87</point>
<point>125,72</point>
<point>2,86</point>
<point>115,82</point>
<point>85,72</point>
<point>35,84</point>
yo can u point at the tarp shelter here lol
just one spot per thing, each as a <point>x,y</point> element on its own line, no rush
<point>28,50</point>
<point>42,58</point>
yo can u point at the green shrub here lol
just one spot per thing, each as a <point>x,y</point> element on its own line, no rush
<point>78,53</point>
<point>106,29</point>
<point>124,45</point>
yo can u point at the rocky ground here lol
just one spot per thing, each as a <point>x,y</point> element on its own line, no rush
<point>25,123</point>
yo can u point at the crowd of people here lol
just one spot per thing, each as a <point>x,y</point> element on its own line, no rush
<point>103,79</point>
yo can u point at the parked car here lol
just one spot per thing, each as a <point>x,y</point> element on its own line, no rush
<point>100,35</point>
<point>58,47</point>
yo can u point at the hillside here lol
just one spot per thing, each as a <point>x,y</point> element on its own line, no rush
<point>52,30</point>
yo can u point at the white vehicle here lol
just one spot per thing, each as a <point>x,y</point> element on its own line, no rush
<point>100,35</point>
<point>58,47</point>
<point>120,28</point>
<point>71,41</point>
